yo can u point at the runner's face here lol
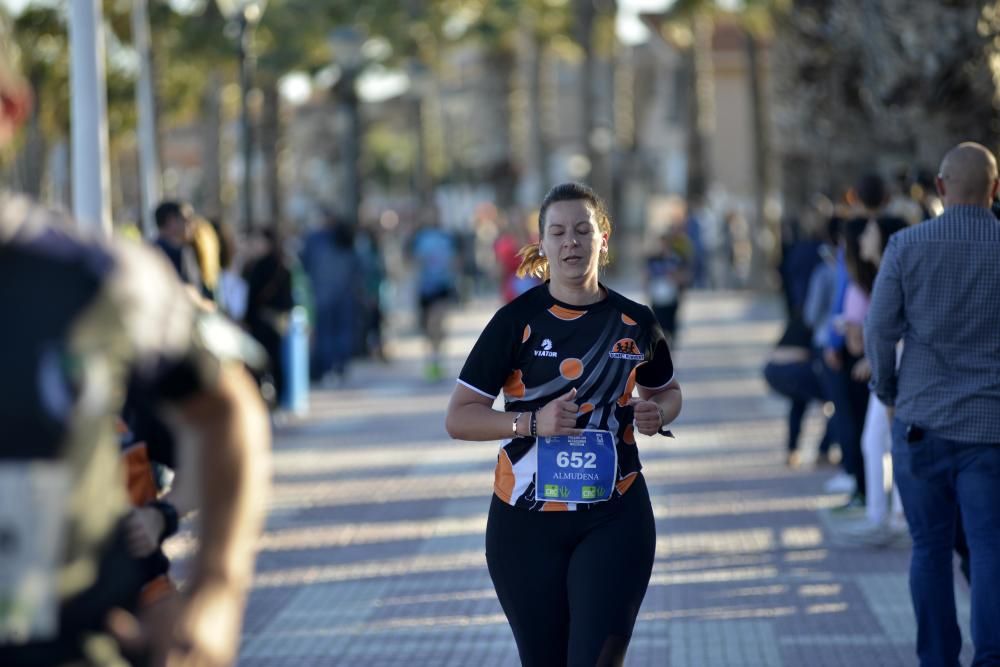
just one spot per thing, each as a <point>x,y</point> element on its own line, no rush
<point>573,241</point>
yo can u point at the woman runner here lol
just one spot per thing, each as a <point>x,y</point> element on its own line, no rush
<point>571,537</point>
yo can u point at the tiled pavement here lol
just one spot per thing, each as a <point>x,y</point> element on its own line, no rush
<point>374,546</point>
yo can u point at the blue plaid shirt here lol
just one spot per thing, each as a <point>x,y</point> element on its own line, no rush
<point>938,290</point>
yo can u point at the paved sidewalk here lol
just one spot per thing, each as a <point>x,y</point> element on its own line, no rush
<point>374,546</point>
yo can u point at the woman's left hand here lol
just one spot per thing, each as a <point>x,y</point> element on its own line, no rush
<point>648,418</point>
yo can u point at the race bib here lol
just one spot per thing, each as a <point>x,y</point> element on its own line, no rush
<point>576,468</point>
<point>662,291</point>
<point>32,525</point>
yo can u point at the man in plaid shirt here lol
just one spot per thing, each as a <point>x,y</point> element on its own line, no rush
<point>938,290</point>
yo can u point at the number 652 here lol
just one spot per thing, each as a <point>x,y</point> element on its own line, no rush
<point>576,460</point>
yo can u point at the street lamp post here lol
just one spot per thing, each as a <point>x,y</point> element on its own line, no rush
<point>88,97</point>
<point>246,14</point>
<point>346,43</point>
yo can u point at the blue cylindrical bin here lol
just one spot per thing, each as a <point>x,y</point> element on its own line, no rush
<point>295,357</point>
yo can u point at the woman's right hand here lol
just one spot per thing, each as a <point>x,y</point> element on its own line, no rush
<point>558,417</point>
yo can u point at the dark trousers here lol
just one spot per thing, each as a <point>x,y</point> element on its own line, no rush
<point>333,338</point>
<point>800,383</point>
<point>571,583</point>
<point>270,339</point>
<point>850,402</point>
<point>940,481</point>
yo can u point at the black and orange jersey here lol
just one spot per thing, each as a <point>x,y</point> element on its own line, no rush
<point>537,348</point>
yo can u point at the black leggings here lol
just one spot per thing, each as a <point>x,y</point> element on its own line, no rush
<point>571,583</point>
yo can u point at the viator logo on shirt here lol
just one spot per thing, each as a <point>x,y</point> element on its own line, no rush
<point>545,349</point>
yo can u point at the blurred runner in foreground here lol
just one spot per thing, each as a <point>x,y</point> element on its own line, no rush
<point>85,320</point>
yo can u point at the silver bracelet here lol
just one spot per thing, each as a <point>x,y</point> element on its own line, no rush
<point>513,426</point>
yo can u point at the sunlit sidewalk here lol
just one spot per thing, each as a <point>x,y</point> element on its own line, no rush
<point>374,547</point>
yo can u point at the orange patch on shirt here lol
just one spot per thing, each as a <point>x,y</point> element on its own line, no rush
<point>624,484</point>
<point>571,369</point>
<point>527,333</point>
<point>629,388</point>
<point>503,478</point>
<point>628,437</point>
<point>566,313</point>
<point>156,590</point>
<point>628,320</point>
<point>139,480</point>
<point>555,507</point>
<point>514,386</point>
<point>586,407</point>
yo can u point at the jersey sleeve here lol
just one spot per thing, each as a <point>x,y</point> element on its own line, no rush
<point>492,358</point>
<point>658,369</point>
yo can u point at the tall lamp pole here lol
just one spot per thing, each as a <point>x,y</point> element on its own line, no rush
<point>246,14</point>
<point>88,98</point>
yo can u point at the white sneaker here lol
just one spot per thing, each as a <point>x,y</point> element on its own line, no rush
<point>882,534</point>
<point>840,483</point>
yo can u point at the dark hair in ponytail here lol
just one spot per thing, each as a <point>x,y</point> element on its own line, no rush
<point>533,263</point>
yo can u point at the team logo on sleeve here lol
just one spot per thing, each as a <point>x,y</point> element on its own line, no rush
<point>626,349</point>
<point>545,349</point>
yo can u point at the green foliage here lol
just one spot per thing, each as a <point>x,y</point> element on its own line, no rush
<point>41,36</point>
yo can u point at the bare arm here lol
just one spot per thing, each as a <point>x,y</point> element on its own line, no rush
<point>471,417</point>
<point>231,427</point>
<point>885,324</point>
<point>230,435</point>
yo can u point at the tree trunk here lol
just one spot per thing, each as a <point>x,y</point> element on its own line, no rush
<point>583,29</point>
<point>211,158</point>
<point>698,68</point>
<point>536,172</point>
<point>501,63</point>
<point>420,181</point>
<point>270,145</point>
<point>763,234</point>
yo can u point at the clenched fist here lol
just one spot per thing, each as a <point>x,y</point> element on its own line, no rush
<point>648,418</point>
<point>558,417</point>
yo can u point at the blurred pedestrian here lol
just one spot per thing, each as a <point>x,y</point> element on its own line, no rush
<point>698,217</point>
<point>331,262</point>
<point>232,288</point>
<point>174,235</point>
<point>668,275</point>
<point>879,526</point>
<point>792,368</point>
<point>372,265</point>
<point>938,291</point>
<point>436,262</point>
<point>205,242</point>
<point>849,396</point>
<point>567,356</point>
<point>269,305</point>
